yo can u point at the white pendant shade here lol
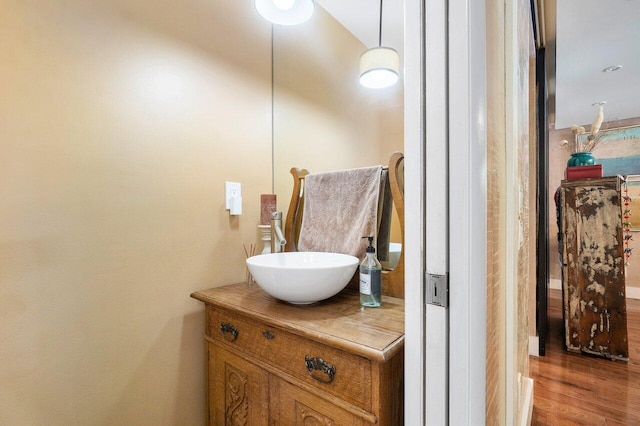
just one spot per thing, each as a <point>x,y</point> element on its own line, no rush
<point>285,12</point>
<point>379,67</point>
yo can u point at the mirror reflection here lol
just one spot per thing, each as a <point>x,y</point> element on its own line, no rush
<point>323,119</point>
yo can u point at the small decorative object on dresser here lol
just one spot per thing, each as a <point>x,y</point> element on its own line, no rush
<point>583,172</point>
<point>582,149</point>
<point>581,159</point>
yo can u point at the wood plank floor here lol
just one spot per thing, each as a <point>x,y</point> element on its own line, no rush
<point>573,389</point>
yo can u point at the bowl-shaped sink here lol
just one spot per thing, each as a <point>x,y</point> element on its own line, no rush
<point>302,277</point>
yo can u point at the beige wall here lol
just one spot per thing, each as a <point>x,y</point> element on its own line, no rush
<point>120,122</point>
<point>496,206</point>
<point>558,157</point>
<point>523,193</point>
<point>508,200</point>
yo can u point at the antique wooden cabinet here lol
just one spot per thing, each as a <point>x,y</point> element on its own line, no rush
<point>331,363</point>
<point>593,270</point>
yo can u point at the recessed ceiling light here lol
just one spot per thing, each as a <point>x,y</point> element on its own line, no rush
<point>599,103</point>
<point>612,68</point>
<point>285,12</point>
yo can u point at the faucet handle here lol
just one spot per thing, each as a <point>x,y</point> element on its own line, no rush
<point>277,236</point>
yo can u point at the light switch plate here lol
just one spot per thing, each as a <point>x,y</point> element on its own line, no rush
<point>231,189</point>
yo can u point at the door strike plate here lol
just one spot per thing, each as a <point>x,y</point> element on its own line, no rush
<point>438,290</point>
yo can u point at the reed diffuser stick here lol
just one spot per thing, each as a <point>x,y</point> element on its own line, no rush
<point>249,253</point>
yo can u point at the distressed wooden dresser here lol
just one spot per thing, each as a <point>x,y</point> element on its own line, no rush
<point>595,313</point>
<point>331,363</point>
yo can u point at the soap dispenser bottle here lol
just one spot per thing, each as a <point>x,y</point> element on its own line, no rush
<point>370,278</point>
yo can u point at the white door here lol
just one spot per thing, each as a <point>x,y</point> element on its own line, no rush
<point>445,225</point>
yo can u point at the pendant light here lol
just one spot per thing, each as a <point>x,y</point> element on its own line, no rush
<point>379,66</point>
<point>285,12</point>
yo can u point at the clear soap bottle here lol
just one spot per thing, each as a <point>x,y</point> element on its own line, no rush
<point>370,278</point>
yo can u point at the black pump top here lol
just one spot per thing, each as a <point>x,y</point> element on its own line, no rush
<point>370,249</point>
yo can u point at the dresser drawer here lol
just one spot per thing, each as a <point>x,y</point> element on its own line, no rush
<point>344,375</point>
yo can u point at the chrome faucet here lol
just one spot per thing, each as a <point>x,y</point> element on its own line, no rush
<point>277,236</point>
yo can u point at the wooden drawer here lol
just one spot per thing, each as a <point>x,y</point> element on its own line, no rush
<point>331,370</point>
<point>290,405</point>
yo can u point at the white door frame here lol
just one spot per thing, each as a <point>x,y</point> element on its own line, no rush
<point>414,212</point>
<point>468,211</point>
<point>445,199</point>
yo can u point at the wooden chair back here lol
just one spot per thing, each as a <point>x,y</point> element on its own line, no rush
<point>393,280</point>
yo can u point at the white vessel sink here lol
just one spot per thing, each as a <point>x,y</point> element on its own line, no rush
<point>302,277</point>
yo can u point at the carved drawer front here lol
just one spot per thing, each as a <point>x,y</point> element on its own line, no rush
<point>238,391</point>
<point>337,372</point>
<point>291,405</point>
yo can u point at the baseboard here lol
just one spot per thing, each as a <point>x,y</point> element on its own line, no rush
<point>632,292</point>
<point>534,345</point>
<point>525,411</point>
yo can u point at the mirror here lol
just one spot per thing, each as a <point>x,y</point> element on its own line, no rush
<point>323,119</point>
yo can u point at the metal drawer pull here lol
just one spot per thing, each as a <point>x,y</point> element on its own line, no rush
<point>268,335</point>
<point>323,366</point>
<point>228,331</point>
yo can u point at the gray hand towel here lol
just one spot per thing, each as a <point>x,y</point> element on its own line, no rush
<point>340,208</point>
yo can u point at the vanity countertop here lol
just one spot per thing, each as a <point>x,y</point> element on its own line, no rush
<point>373,333</point>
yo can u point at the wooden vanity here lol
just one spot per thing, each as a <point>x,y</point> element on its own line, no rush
<point>331,363</point>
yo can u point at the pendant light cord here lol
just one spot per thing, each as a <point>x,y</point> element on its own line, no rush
<point>273,150</point>
<point>380,27</point>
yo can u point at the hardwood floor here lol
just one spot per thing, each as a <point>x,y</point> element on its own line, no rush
<point>573,389</point>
